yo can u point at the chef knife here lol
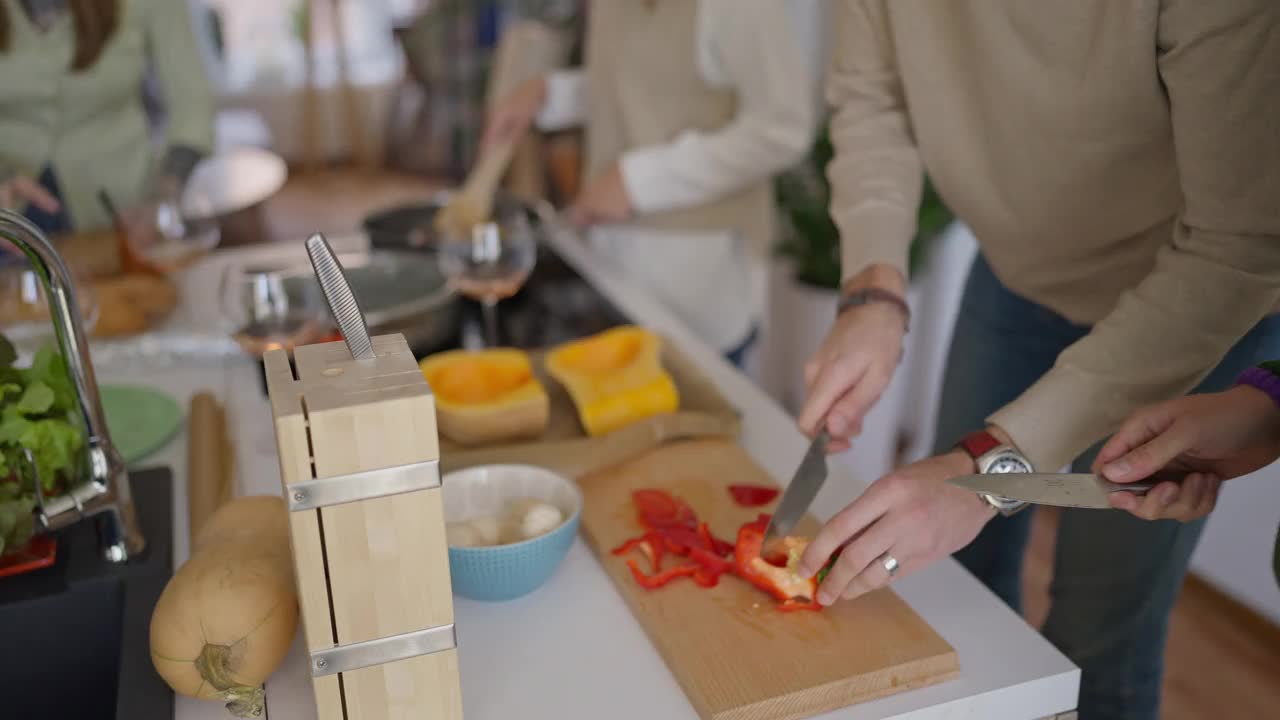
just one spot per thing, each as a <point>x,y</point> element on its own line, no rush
<point>1078,490</point>
<point>804,486</point>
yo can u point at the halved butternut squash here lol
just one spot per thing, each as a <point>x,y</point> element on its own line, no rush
<point>485,396</point>
<point>615,378</point>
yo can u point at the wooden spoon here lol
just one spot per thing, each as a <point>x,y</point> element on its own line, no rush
<point>473,204</point>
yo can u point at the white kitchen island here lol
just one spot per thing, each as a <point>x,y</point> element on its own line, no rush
<point>572,649</point>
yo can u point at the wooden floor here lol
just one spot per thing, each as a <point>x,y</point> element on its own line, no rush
<point>1221,662</point>
<point>1219,665</point>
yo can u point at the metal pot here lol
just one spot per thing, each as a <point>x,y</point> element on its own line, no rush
<point>410,226</point>
<point>400,291</point>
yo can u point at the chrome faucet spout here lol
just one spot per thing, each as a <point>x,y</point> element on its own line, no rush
<point>105,489</point>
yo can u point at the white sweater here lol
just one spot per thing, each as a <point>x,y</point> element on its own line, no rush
<point>751,47</point>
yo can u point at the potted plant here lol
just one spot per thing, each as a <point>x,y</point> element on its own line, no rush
<point>805,289</point>
<point>811,240</point>
<point>38,412</point>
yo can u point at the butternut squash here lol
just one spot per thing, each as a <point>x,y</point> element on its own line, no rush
<point>486,396</point>
<point>226,619</point>
<point>615,378</point>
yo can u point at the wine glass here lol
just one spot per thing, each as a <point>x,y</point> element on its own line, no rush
<point>491,264</point>
<point>24,309</point>
<point>171,232</point>
<point>267,309</point>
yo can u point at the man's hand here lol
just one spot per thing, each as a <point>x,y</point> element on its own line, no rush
<point>603,200</point>
<point>847,375</point>
<point>911,513</point>
<point>512,116</point>
<point>22,189</point>
<point>1210,437</point>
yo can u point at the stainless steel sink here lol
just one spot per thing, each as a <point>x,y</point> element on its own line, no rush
<point>74,640</point>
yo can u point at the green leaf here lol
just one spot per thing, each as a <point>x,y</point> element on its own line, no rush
<point>12,425</point>
<point>16,523</point>
<point>37,399</point>
<point>7,352</point>
<point>55,444</point>
<point>50,367</point>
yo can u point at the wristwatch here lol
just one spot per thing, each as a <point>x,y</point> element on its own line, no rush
<point>993,456</point>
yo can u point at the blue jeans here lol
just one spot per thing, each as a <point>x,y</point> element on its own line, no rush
<point>1116,577</point>
<point>738,355</point>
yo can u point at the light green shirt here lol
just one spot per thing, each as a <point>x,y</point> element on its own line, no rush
<point>91,126</point>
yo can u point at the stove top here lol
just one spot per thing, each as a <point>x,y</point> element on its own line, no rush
<point>555,305</point>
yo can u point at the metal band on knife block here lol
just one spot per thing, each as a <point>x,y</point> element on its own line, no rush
<point>345,658</point>
<point>354,487</point>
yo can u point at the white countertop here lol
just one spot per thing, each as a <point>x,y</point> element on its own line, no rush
<point>572,649</point>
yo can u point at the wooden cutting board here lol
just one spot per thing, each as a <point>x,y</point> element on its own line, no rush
<point>737,657</point>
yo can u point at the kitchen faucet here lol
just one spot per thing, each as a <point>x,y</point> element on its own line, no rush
<point>105,491</point>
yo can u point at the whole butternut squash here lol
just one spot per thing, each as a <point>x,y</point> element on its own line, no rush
<point>226,619</point>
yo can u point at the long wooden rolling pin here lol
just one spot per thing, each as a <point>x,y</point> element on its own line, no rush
<point>209,460</point>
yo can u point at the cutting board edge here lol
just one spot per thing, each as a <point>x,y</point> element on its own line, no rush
<point>777,708</point>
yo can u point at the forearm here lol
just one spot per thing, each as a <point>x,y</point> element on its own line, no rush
<point>187,93</point>
<point>179,162</point>
<point>1164,336</point>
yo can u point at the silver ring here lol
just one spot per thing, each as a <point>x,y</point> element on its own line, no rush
<point>890,564</point>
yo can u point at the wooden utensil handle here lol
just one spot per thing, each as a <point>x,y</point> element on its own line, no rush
<point>207,461</point>
<point>487,173</point>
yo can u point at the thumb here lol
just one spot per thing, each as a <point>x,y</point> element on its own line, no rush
<point>1151,456</point>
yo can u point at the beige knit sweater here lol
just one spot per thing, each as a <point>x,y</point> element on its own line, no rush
<point>1118,161</point>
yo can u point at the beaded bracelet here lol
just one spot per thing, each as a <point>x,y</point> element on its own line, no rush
<point>873,294</point>
<point>1265,377</point>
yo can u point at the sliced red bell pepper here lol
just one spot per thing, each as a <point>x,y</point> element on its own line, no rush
<point>793,591</point>
<point>713,543</point>
<point>680,539</point>
<point>710,567</point>
<point>660,578</point>
<point>753,495</point>
<point>655,503</point>
<point>795,604</point>
<point>651,544</point>
<point>658,509</point>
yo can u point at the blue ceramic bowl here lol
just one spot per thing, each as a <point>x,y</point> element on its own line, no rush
<point>506,572</point>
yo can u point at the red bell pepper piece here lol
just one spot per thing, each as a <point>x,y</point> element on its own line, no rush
<point>658,509</point>
<point>753,495</point>
<point>661,578</point>
<point>680,539</point>
<point>713,543</point>
<point>710,567</point>
<point>795,604</point>
<point>793,591</point>
<point>651,544</point>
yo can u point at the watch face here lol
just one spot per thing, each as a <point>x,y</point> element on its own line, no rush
<point>1009,464</point>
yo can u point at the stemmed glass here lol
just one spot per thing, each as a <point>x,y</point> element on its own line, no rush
<point>171,232</point>
<point>491,264</point>
<point>24,310</point>
<point>267,309</point>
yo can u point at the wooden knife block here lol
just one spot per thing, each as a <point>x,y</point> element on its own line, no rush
<point>359,456</point>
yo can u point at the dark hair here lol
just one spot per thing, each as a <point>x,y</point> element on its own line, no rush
<point>95,22</point>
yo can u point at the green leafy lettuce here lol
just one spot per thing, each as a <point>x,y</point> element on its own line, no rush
<point>38,412</point>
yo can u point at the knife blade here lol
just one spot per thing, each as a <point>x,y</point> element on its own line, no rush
<point>1078,490</point>
<point>804,487</point>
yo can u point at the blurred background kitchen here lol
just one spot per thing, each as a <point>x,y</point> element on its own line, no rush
<point>286,117</point>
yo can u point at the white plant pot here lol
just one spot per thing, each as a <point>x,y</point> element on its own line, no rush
<point>800,318</point>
